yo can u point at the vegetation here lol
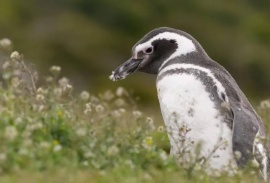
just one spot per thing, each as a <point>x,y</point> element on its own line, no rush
<point>52,129</point>
<point>91,38</point>
<point>50,134</point>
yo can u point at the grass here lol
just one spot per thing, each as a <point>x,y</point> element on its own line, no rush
<point>50,134</point>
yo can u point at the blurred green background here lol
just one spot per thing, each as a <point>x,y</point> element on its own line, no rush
<point>90,38</point>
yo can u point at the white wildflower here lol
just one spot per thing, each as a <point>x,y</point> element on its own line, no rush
<point>149,120</point>
<point>30,127</point>
<point>68,88</point>
<point>15,56</point>
<point>27,143</point>
<point>6,65</point>
<point>40,90</point>
<point>113,150</point>
<point>3,157</point>
<point>108,95</point>
<point>44,145</point>
<point>265,104</point>
<point>38,125</point>
<point>116,113</point>
<point>237,154</point>
<point>119,102</point>
<point>138,130</point>
<point>94,99</point>
<point>6,75</point>
<point>163,155</point>
<point>18,121</point>
<point>255,164</point>
<point>63,82</point>
<point>119,112</point>
<point>27,133</point>
<point>81,132</point>
<point>122,110</point>
<point>151,124</point>
<point>15,82</point>
<point>5,43</point>
<point>197,167</point>
<point>49,79</point>
<point>89,154</point>
<point>23,151</point>
<point>147,142</point>
<point>85,95</point>
<point>99,108</point>
<point>120,91</point>
<point>57,148</point>
<point>85,163</point>
<point>58,92</point>
<point>55,70</point>
<point>11,132</point>
<point>40,97</point>
<point>161,129</point>
<point>88,108</point>
<point>130,164</point>
<point>137,114</point>
<point>92,133</point>
<point>136,149</point>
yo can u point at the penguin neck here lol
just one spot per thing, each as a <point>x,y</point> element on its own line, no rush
<point>198,57</point>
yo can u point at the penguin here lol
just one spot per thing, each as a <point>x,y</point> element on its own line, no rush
<point>208,118</point>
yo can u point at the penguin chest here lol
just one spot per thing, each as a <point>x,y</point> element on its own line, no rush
<point>195,127</point>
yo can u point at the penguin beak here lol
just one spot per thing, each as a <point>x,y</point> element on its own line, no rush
<point>125,69</point>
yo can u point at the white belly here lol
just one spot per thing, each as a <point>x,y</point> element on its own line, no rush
<point>193,123</point>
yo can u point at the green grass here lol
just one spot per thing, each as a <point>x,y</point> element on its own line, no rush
<point>50,134</point>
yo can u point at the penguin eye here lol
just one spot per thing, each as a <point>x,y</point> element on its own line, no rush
<point>172,41</point>
<point>149,50</point>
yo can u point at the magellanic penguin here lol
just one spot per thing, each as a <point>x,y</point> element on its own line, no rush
<point>201,104</point>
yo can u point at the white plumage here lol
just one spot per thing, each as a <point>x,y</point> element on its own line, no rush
<point>190,107</point>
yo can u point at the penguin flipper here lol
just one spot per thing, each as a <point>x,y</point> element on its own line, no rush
<point>246,130</point>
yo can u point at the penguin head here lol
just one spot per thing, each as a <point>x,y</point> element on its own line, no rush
<point>154,50</point>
